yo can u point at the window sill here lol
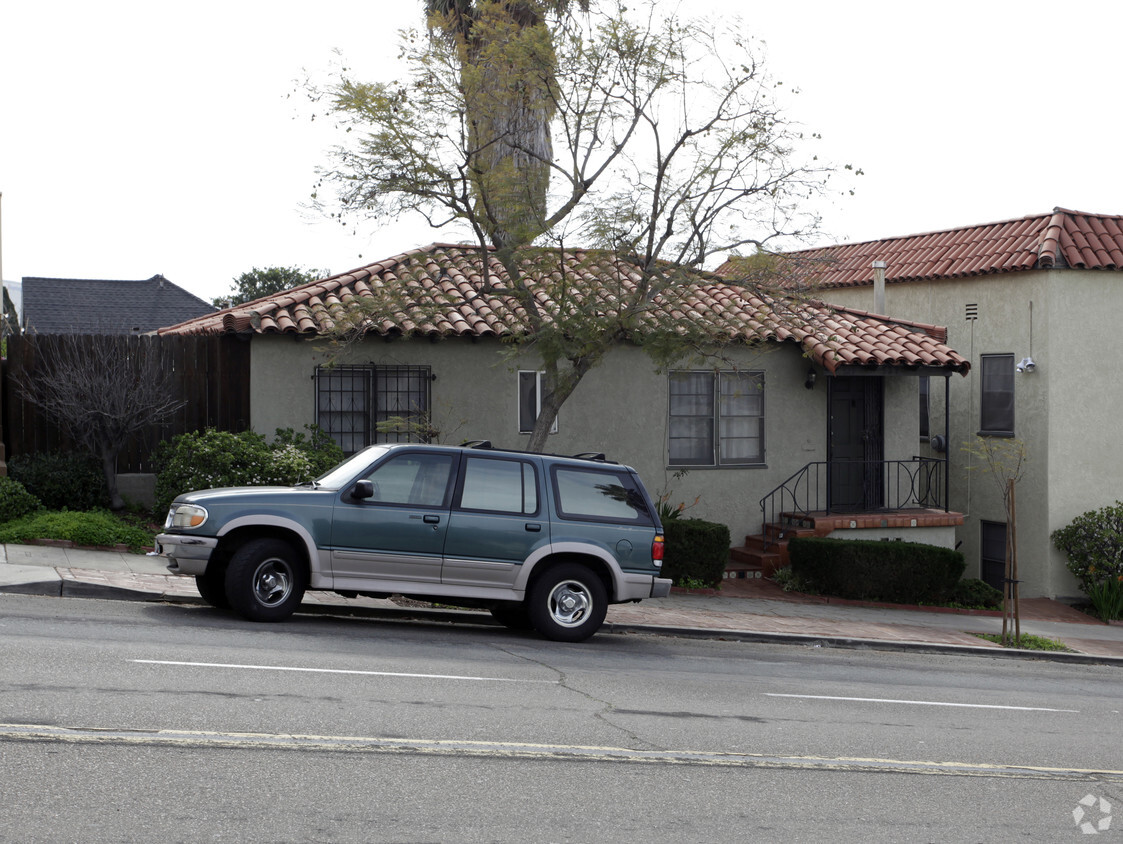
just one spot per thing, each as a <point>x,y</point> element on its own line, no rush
<point>690,467</point>
<point>1005,434</point>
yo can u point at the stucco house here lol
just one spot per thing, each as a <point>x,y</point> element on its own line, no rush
<point>1027,301</point>
<point>728,434</point>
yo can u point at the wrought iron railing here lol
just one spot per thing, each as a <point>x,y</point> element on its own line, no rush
<point>865,486</point>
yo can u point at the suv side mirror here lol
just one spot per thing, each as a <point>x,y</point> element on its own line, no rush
<point>363,489</point>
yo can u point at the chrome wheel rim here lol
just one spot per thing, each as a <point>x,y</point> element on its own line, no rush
<point>272,582</point>
<point>570,603</point>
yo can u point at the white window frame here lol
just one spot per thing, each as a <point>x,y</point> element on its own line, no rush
<point>523,426</point>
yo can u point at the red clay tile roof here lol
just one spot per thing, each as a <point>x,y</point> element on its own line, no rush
<point>1060,239</point>
<point>449,301</point>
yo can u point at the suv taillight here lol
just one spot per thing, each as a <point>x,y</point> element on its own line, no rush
<point>657,549</point>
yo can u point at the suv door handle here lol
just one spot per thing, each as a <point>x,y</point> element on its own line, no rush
<point>533,528</point>
<point>432,520</point>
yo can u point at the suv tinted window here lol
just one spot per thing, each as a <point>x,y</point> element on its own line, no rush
<point>502,486</point>
<point>412,478</point>
<point>608,496</point>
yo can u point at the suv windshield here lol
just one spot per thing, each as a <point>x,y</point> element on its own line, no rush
<point>345,471</point>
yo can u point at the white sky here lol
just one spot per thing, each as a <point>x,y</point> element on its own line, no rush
<point>140,138</point>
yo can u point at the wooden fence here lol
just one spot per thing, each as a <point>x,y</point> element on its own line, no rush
<point>210,374</point>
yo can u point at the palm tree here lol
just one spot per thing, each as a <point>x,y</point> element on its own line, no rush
<point>507,67</point>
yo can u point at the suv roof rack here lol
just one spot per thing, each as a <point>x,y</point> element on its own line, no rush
<point>590,455</point>
<point>597,456</point>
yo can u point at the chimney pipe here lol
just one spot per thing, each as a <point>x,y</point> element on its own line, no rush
<point>879,287</point>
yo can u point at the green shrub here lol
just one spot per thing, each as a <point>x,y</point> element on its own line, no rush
<point>62,480</point>
<point>789,581</point>
<point>972,592</point>
<point>1093,543</point>
<point>15,500</point>
<point>898,572</point>
<point>98,527</point>
<point>211,459</point>
<point>321,450</point>
<point>695,551</point>
<point>207,460</point>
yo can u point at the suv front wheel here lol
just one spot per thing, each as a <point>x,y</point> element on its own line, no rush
<point>265,580</point>
<point>568,603</point>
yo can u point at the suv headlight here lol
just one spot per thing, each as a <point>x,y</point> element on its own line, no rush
<point>185,516</point>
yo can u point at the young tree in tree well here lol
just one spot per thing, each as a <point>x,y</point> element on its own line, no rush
<point>102,389</point>
<point>662,144</point>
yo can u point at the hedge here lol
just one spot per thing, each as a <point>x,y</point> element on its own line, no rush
<point>897,572</point>
<point>695,551</point>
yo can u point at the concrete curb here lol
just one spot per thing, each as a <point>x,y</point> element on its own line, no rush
<point>63,588</point>
<point>854,643</point>
<point>78,589</point>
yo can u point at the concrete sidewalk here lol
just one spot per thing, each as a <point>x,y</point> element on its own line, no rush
<point>750,609</point>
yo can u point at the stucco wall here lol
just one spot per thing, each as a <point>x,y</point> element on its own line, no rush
<point>1084,397</point>
<point>1060,414</point>
<point>620,408</point>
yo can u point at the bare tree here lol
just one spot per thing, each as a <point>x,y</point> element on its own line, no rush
<point>101,389</point>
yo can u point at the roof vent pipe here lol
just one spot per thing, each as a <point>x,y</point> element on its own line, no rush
<point>879,287</point>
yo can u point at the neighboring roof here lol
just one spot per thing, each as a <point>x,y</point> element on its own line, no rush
<point>1058,240</point>
<point>94,306</point>
<point>447,282</point>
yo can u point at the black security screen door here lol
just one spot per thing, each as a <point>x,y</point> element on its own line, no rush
<point>857,443</point>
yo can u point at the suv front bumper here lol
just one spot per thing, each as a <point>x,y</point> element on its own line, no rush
<point>186,555</point>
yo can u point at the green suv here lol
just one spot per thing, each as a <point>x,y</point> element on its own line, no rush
<point>541,541</point>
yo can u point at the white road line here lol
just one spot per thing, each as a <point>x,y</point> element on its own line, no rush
<point>925,703</point>
<point>336,671</point>
<point>522,750</point>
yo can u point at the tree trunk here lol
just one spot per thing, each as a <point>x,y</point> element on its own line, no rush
<point>109,467</point>
<point>556,388</point>
<point>507,75</point>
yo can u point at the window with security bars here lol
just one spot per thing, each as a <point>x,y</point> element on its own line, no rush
<point>360,405</point>
<point>716,419</point>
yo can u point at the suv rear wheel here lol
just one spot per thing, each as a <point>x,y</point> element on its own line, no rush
<point>568,603</point>
<point>265,580</point>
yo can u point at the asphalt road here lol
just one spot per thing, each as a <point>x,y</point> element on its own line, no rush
<point>141,722</point>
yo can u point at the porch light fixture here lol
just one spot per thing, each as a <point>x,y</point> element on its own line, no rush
<point>810,381</point>
<point>1026,364</point>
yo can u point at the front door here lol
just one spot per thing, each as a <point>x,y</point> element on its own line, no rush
<point>857,445</point>
<point>399,532</point>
